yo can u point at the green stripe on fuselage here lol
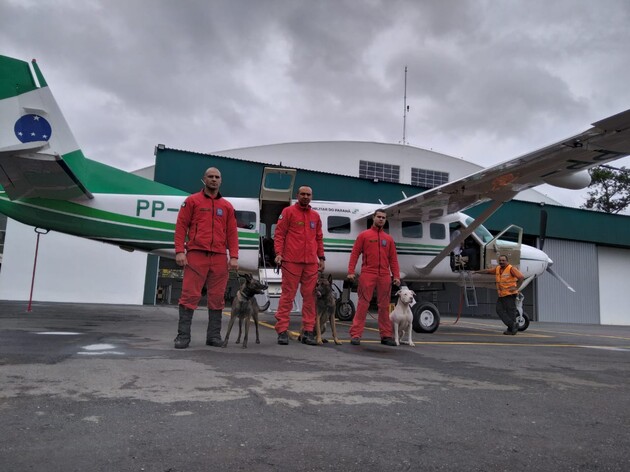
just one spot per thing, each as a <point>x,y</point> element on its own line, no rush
<point>79,220</point>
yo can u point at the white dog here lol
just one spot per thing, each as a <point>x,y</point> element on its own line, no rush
<point>401,316</point>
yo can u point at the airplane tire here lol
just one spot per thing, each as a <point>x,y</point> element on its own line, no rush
<point>426,317</point>
<point>345,311</point>
<point>523,322</point>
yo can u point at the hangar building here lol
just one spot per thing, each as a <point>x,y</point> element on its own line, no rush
<point>589,249</point>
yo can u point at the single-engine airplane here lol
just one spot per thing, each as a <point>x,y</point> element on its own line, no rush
<point>48,183</point>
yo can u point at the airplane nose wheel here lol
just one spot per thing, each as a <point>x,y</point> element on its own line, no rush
<point>522,321</point>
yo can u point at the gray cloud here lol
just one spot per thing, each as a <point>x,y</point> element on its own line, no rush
<point>487,80</point>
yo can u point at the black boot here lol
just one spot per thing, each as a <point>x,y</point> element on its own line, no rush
<point>213,336</point>
<point>183,328</point>
<point>308,338</point>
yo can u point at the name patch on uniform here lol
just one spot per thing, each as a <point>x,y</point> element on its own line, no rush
<point>312,225</point>
<point>219,211</point>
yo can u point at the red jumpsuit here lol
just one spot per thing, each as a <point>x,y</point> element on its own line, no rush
<point>380,262</point>
<point>206,230</point>
<point>299,240</point>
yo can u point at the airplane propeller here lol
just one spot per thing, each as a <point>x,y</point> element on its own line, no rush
<point>541,243</point>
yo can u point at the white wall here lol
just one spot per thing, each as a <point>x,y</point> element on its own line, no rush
<point>69,269</point>
<point>613,265</point>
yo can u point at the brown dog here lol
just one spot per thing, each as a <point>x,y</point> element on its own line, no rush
<point>245,307</point>
<point>325,305</point>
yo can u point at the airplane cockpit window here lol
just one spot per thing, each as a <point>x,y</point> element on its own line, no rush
<point>482,233</point>
<point>437,231</point>
<point>338,224</point>
<point>412,229</point>
<point>245,219</point>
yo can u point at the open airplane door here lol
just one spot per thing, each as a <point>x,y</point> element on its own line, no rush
<point>277,185</point>
<point>506,243</point>
<point>276,191</point>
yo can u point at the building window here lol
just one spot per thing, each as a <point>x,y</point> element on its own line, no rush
<point>412,229</point>
<point>379,171</point>
<point>338,224</point>
<point>428,178</point>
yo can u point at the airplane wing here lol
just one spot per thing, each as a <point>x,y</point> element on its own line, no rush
<point>563,164</point>
<point>27,172</point>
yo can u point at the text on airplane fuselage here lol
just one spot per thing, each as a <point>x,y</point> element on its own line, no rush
<point>153,206</point>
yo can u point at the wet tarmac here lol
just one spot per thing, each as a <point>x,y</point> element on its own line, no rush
<point>100,388</point>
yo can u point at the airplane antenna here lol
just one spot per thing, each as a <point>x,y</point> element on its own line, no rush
<point>405,110</point>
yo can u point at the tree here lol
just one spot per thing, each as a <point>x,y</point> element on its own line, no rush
<point>609,189</point>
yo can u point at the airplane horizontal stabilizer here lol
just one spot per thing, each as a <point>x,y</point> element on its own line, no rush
<point>27,172</point>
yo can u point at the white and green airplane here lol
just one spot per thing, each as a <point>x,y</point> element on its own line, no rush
<point>48,183</point>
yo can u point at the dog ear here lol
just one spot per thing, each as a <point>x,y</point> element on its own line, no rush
<point>330,279</point>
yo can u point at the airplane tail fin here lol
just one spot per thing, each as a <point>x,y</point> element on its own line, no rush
<point>37,149</point>
<point>39,156</point>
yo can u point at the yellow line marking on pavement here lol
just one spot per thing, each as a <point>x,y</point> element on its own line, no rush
<point>490,328</point>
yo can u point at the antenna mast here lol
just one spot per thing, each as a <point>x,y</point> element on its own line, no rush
<point>406,109</point>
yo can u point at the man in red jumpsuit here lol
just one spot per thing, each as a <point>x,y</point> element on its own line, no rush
<point>205,232</point>
<point>299,247</point>
<point>380,263</point>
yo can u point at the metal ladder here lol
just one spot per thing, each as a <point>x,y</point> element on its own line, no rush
<point>469,288</point>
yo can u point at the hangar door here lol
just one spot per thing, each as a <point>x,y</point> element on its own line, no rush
<point>576,263</point>
<point>613,285</point>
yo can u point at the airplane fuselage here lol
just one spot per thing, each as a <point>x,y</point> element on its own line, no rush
<point>147,223</point>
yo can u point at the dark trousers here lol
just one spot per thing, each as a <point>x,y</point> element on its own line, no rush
<point>506,309</point>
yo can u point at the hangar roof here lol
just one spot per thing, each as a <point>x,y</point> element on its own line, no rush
<point>242,178</point>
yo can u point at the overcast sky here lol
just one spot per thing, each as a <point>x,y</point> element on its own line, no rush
<point>487,80</point>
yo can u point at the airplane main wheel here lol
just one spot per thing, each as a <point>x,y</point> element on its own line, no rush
<point>426,317</point>
<point>345,310</point>
<point>522,322</point>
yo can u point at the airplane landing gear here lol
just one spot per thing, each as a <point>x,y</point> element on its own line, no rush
<point>522,321</point>
<point>426,317</point>
<point>345,310</point>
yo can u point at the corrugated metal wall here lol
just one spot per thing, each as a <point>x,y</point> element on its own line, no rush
<point>576,263</point>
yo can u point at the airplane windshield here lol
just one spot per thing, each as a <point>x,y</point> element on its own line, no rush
<point>482,233</point>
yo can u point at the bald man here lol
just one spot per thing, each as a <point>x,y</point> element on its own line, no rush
<point>205,234</point>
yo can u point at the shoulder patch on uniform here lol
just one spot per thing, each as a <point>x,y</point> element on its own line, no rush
<point>183,204</point>
<point>280,217</point>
